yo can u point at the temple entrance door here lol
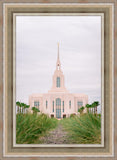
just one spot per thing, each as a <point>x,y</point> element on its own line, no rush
<point>58,108</point>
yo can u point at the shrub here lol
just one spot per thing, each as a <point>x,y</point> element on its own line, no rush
<point>72,115</point>
<point>35,110</point>
<point>85,129</point>
<point>30,127</point>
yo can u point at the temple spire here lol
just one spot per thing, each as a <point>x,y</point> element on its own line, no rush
<point>58,50</point>
<point>58,64</point>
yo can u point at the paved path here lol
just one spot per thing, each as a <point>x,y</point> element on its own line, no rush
<point>56,136</point>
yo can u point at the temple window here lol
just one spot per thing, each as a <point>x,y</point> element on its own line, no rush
<point>36,104</point>
<point>58,82</point>
<point>46,104</point>
<point>58,102</point>
<point>63,106</point>
<point>70,104</point>
<point>79,103</point>
<point>53,106</point>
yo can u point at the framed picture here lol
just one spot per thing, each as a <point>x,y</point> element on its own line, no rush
<point>58,70</point>
<point>58,103</point>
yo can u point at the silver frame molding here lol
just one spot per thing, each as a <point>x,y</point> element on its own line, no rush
<point>102,83</point>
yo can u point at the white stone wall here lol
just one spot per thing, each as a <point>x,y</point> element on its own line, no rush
<point>50,97</point>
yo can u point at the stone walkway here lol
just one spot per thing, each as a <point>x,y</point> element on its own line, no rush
<point>56,136</point>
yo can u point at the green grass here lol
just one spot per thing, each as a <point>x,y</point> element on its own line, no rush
<point>85,129</point>
<point>30,127</point>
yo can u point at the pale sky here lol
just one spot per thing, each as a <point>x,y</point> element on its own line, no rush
<point>79,40</point>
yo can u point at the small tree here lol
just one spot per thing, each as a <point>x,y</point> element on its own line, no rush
<point>18,105</point>
<point>35,110</point>
<point>96,104</point>
<point>88,106</point>
<point>81,110</point>
<point>22,106</point>
<point>27,106</point>
<point>92,106</point>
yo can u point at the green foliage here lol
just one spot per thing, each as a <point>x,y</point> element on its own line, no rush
<point>72,115</point>
<point>92,106</point>
<point>18,105</point>
<point>99,115</point>
<point>27,106</point>
<point>85,129</point>
<point>88,106</point>
<point>23,106</point>
<point>30,127</point>
<point>81,110</point>
<point>35,110</point>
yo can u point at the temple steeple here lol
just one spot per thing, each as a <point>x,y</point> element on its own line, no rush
<point>58,64</point>
<point>58,77</point>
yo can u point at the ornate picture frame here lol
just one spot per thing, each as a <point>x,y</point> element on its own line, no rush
<point>10,149</point>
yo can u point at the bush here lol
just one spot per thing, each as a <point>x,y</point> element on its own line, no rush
<point>29,127</point>
<point>85,129</point>
<point>72,115</point>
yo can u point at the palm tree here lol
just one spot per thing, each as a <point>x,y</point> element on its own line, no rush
<point>93,106</point>
<point>88,106</point>
<point>22,107</point>
<point>96,104</point>
<point>35,110</point>
<point>18,105</point>
<point>27,106</point>
<point>81,110</point>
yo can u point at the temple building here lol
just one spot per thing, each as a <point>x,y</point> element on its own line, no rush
<point>58,102</point>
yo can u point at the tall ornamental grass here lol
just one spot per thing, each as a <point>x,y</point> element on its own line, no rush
<point>85,129</point>
<point>30,127</point>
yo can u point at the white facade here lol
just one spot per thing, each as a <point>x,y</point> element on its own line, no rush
<point>58,102</point>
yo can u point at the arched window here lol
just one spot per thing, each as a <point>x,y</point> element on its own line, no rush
<point>70,104</point>
<point>53,106</point>
<point>58,82</point>
<point>58,108</point>
<point>79,103</point>
<point>58,102</point>
<point>36,104</point>
<point>46,104</point>
<point>63,106</point>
